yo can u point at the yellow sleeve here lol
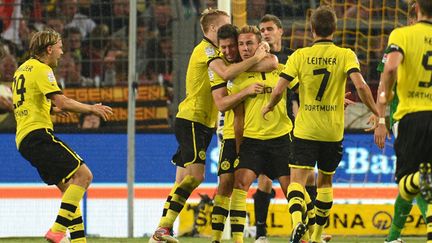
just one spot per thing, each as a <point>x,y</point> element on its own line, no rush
<point>351,62</point>
<point>211,53</point>
<point>290,71</point>
<point>215,80</point>
<point>47,82</point>
<point>396,41</point>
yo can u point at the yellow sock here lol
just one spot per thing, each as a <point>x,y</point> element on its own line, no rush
<point>310,216</point>
<point>168,201</point>
<point>409,186</point>
<point>323,204</point>
<point>180,195</point>
<point>238,214</point>
<point>219,215</point>
<point>296,202</point>
<point>76,228</point>
<point>70,201</point>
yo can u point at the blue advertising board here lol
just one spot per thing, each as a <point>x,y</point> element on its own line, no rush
<point>106,155</point>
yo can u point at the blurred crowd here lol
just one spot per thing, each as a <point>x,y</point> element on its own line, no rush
<point>95,38</point>
<point>95,35</point>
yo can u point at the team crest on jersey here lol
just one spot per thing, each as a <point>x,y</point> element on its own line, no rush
<point>51,77</point>
<point>236,162</point>
<point>210,51</point>
<point>225,165</point>
<point>202,155</point>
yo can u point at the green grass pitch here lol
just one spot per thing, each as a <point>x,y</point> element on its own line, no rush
<point>336,239</point>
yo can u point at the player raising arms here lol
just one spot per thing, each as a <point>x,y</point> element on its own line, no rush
<point>409,63</point>
<point>35,96</point>
<point>322,70</point>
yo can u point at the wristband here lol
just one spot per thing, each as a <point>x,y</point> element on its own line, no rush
<point>381,121</point>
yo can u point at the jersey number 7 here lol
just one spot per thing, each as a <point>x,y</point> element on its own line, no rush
<point>324,82</point>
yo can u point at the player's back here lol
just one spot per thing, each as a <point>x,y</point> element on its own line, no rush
<point>198,106</point>
<point>415,72</point>
<point>32,81</point>
<point>322,71</point>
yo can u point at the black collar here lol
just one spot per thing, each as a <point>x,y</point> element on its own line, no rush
<point>208,40</point>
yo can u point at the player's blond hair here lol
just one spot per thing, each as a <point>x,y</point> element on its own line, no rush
<point>209,16</point>
<point>41,40</point>
<point>251,29</point>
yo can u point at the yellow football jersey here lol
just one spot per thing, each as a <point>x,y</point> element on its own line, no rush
<point>33,81</point>
<point>198,106</point>
<point>322,70</point>
<point>414,82</point>
<point>255,126</point>
<point>217,82</point>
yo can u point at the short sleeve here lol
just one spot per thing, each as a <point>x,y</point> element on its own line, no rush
<point>291,69</point>
<point>216,81</point>
<point>351,62</point>
<point>47,82</point>
<point>211,53</point>
<point>396,41</point>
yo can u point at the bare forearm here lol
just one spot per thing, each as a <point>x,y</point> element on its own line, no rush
<point>365,95</point>
<point>230,101</point>
<point>381,108</point>
<point>73,106</point>
<point>277,93</point>
<point>235,69</point>
<point>387,81</point>
<point>268,64</point>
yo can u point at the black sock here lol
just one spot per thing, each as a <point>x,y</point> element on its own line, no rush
<point>261,203</point>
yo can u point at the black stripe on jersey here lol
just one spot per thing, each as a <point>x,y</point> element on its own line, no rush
<point>353,70</point>
<point>295,88</point>
<point>263,76</point>
<point>425,21</point>
<point>53,93</point>
<point>221,85</point>
<point>286,76</point>
<point>393,47</point>
<point>211,60</point>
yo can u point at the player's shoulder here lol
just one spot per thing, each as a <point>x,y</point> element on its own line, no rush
<point>207,47</point>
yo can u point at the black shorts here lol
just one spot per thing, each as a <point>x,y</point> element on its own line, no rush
<point>53,159</point>
<point>307,153</point>
<point>269,157</point>
<point>193,139</point>
<point>228,158</point>
<point>413,144</point>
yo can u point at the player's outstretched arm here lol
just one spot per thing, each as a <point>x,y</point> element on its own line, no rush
<point>388,76</point>
<point>276,96</point>
<point>228,72</point>
<point>364,91</point>
<point>66,104</point>
<point>225,102</point>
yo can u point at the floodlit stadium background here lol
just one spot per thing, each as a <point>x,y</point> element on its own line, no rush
<point>97,71</point>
